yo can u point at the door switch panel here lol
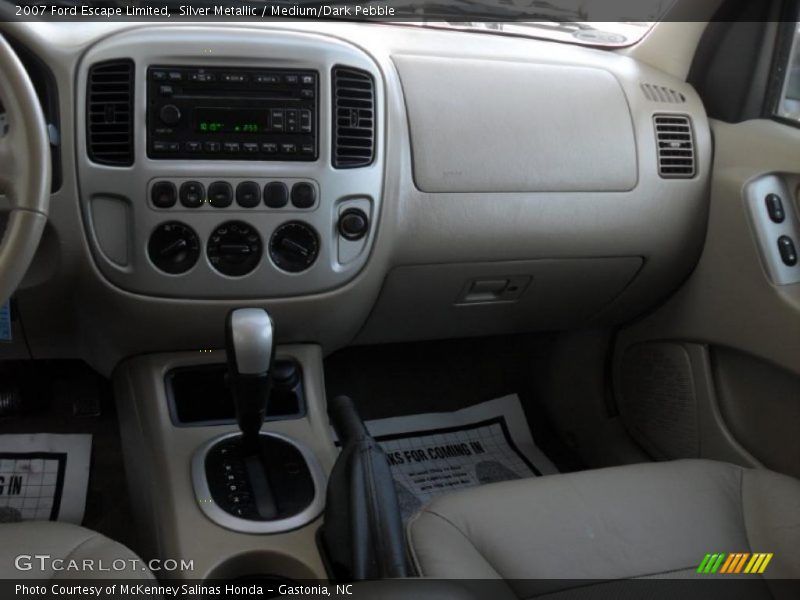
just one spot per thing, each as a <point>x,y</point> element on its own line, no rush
<point>772,207</point>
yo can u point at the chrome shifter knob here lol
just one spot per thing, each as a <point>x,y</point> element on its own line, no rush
<point>249,341</point>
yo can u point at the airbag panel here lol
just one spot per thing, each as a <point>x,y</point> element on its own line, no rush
<point>527,127</point>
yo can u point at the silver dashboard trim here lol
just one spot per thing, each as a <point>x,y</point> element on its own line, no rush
<point>211,510</point>
<point>230,47</point>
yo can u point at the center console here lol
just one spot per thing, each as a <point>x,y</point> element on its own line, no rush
<point>237,164</point>
<point>200,492</point>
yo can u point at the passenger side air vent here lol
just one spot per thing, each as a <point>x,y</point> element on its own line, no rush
<point>659,93</point>
<point>354,118</point>
<point>109,112</point>
<point>675,142</point>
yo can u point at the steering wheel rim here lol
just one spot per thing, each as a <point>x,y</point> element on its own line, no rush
<point>24,170</point>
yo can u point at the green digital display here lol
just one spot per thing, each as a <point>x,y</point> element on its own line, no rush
<point>221,120</point>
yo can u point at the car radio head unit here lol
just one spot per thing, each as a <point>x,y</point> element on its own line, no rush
<point>231,113</point>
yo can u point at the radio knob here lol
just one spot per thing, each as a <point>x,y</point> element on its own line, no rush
<point>170,114</point>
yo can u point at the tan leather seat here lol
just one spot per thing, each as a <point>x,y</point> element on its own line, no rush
<point>54,550</point>
<point>656,519</point>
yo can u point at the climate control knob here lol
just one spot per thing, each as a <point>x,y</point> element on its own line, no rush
<point>294,246</point>
<point>234,248</point>
<point>169,114</point>
<point>173,247</point>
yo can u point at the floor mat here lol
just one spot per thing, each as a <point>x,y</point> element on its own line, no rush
<point>435,453</point>
<point>44,476</point>
<point>392,380</point>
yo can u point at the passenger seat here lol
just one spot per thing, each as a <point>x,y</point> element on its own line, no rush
<point>645,520</point>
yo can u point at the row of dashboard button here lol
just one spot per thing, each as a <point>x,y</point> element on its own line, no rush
<point>192,194</point>
<point>270,148</point>
<point>202,76</point>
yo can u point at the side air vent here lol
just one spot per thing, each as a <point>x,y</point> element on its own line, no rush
<point>354,118</point>
<point>109,112</point>
<point>659,93</point>
<point>675,142</point>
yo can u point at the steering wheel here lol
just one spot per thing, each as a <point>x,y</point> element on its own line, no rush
<point>24,171</point>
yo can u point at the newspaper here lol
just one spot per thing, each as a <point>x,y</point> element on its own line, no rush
<point>435,453</point>
<point>44,476</point>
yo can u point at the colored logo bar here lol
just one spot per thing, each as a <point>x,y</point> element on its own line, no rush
<point>735,562</point>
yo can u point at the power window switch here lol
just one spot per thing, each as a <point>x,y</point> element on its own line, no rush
<point>787,250</point>
<point>775,208</point>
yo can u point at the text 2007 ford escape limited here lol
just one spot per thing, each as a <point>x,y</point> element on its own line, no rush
<point>449,303</point>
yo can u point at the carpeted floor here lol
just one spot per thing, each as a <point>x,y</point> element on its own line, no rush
<point>50,390</point>
<point>411,378</point>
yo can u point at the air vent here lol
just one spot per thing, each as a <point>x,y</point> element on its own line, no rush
<point>109,113</point>
<point>659,93</point>
<point>675,143</point>
<point>354,118</point>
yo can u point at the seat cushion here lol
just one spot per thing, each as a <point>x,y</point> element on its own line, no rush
<point>66,548</point>
<point>657,519</point>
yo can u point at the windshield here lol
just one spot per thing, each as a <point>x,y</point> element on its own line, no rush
<point>622,33</point>
<point>589,22</point>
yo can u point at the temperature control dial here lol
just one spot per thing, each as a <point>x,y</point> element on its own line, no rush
<point>174,247</point>
<point>294,246</point>
<point>234,248</point>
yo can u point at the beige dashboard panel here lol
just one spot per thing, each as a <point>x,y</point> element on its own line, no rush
<point>527,127</point>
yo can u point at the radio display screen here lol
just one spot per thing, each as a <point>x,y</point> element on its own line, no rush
<point>223,120</point>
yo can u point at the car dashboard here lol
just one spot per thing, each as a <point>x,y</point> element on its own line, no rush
<point>364,182</point>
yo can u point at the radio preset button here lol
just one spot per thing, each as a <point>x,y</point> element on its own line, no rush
<point>203,77</point>
<point>191,194</point>
<point>248,194</point>
<point>212,147</point>
<point>194,146</point>
<point>250,147</point>
<point>220,194</point>
<point>269,147</point>
<point>231,147</point>
<point>303,195</point>
<point>163,194</point>
<point>289,148</point>
<point>276,194</point>
<point>166,146</point>
<point>305,121</point>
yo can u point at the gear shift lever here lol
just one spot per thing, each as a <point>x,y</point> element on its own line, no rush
<point>249,340</point>
<point>256,476</point>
